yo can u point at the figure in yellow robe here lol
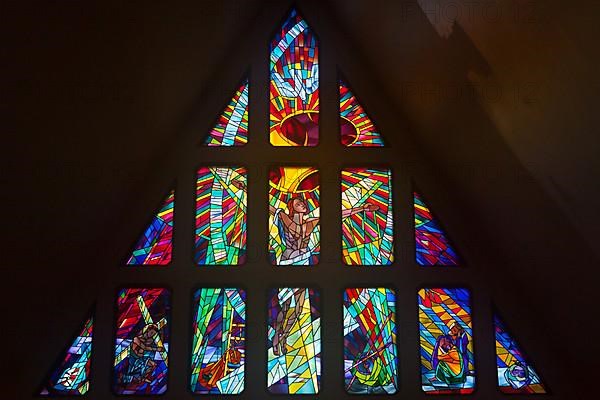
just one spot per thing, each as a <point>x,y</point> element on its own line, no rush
<point>450,356</point>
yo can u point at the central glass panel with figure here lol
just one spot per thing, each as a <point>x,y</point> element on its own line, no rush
<point>294,237</point>
<point>293,341</point>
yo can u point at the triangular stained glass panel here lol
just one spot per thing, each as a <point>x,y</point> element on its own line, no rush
<point>232,127</point>
<point>155,245</point>
<point>71,377</point>
<point>516,375</point>
<point>356,128</point>
<point>431,244</point>
<point>294,85</point>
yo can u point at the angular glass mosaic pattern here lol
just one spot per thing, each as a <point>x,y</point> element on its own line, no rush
<point>156,244</point>
<point>432,246</point>
<point>293,341</point>
<point>218,345</point>
<point>294,85</point>
<point>232,127</point>
<point>515,373</point>
<point>220,216</point>
<point>294,216</point>
<point>357,129</point>
<point>446,340</point>
<point>141,360</point>
<point>72,376</point>
<point>370,358</point>
<point>367,216</point>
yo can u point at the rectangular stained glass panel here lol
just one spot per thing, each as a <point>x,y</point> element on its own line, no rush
<point>294,85</point>
<point>220,216</point>
<point>218,345</point>
<point>367,216</point>
<point>446,340</point>
<point>141,360</point>
<point>294,210</point>
<point>370,360</point>
<point>293,341</point>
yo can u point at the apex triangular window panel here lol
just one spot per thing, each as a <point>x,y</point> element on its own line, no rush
<point>515,373</point>
<point>71,377</point>
<point>155,246</point>
<point>294,85</point>
<point>356,128</point>
<point>232,127</point>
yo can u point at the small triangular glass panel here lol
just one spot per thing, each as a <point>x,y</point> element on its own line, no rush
<point>356,128</point>
<point>432,245</point>
<point>155,245</point>
<point>71,376</point>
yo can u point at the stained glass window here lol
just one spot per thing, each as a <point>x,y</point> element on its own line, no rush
<point>294,216</point>
<point>293,341</point>
<point>370,360</point>
<point>356,128</point>
<point>141,360</point>
<point>155,246</point>
<point>432,246</point>
<point>515,372</point>
<point>218,346</point>
<point>232,127</point>
<point>221,216</point>
<point>367,216</point>
<point>294,85</point>
<point>446,337</point>
<point>72,376</point>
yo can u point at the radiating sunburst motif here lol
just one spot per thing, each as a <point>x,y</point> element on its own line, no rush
<point>294,85</point>
<point>356,128</point>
